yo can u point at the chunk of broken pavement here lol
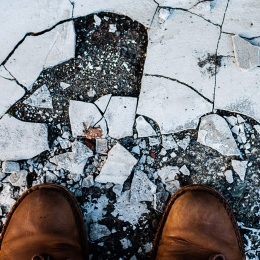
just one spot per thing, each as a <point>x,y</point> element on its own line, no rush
<point>247,55</point>
<point>10,167</point>
<point>159,99</point>
<point>10,93</point>
<point>142,189</point>
<point>73,161</point>
<point>143,128</point>
<point>98,231</point>
<point>21,140</point>
<point>240,168</point>
<point>101,146</point>
<point>215,133</point>
<point>43,51</point>
<point>121,124</point>
<point>184,170</point>
<point>40,98</point>
<point>229,176</point>
<point>117,167</point>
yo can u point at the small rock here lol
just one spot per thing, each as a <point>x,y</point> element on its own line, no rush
<point>112,28</point>
<point>215,133</point>
<point>184,143</point>
<point>50,177</point>
<point>184,170</point>
<point>168,142</point>
<point>64,85</point>
<point>240,168</point>
<point>101,146</point>
<point>240,119</point>
<point>229,176</point>
<point>10,167</point>
<point>126,243</point>
<point>143,128</point>
<point>246,54</point>
<point>64,143</point>
<point>87,182</point>
<point>232,120</point>
<point>257,128</point>
<point>18,179</point>
<point>136,150</point>
<point>117,167</point>
<point>154,141</point>
<point>97,20</point>
<point>173,154</point>
<point>98,231</point>
<point>235,129</point>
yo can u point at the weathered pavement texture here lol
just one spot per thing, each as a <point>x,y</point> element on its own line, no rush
<point>167,93</point>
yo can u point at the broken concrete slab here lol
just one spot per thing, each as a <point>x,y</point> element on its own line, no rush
<point>184,143</point>
<point>144,129</point>
<point>237,97</point>
<point>40,98</point>
<point>142,189</point>
<point>43,51</point>
<point>175,57</point>
<point>21,140</point>
<point>101,146</point>
<point>102,102</point>
<point>74,161</point>
<point>5,197</point>
<point>160,97</point>
<point>97,231</point>
<point>117,167</point>
<point>18,179</point>
<point>229,176</point>
<point>10,167</point>
<point>128,211</point>
<point>82,113</point>
<point>184,170</point>
<point>10,93</point>
<point>247,55</point>
<point>168,142</point>
<point>120,124</point>
<point>244,20</point>
<point>215,133</point>
<point>140,11</point>
<point>240,168</point>
<point>29,16</point>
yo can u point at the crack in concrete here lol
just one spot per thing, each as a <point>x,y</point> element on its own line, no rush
<point>157,9</point>
<point>73,6</point>
<point>216,54</point>
<point>202,1</point>
<point>33,34</point>
<point>180,82</point>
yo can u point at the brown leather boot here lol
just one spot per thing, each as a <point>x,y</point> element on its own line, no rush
<point>198,224</point>
<point>44,223</point>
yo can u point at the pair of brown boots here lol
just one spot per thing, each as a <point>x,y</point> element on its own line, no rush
<point>46,223</point>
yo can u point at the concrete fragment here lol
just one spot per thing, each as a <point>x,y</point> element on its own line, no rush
<point>184,170</point>
<point>87,182</point>
<point>29,16</point>
<point>168,142</point>
<point>126,243</point>
<point>136,150</point>
<point>240,168</point>
<point>98,231</point>
<point>140,11</point>
<point>117,167</point>
<point>160,200</point>
<point>73,161</point>
<point>64,85</point>
<point>154,141</point>
<point>143,128</point>
<point>10,93</point>
<point>21,140</point>
<point>229,176</point>
<point>97,20</point>
<point>142,189</point>
<point>5,196</point>
<point>50,177</point>
<point>257,128</point>
<point>103,102</point>
<point>215,133</point>
<point>10,167</point>
<point>184,143</point>
<point>160,97</point>
<point>18,178</point>
<point>101,146</point>
<point>175,57</point>
<point>64,143</point>
<point>82,112</point>
<point>43,51</point>
<point>120,124</point>
<point>247,55</point>
<point>40,98</point>
<point>240,119</point>
<point>127,211</point>
<point>232,120</point>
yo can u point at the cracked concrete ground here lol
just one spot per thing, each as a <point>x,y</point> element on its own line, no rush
<point>125,102</point>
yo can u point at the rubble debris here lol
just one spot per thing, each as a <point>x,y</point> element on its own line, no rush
<point>142,12</point>
<point>101,146</point>
<point>64,143</point>
<point>154,141</point>
<point>142,189</point>
<point>168,142</point>
<point>10,167</point>
<point>184,170</point>
<point>240,168</point>
<point>18,179</point>
<point>97,20</point>
<point>10,93</point>
<point>98,231</point>
<point>126,117</point>
<point>43,51</point>
<point>184,143</point>
<point>160,96</point>
<point>50,177</point>
<point>232,120</point>
<point>160,200</point>
<point>143,128</point>
<point>117,167</point>
<point>247,55</point>
<point>5,197</point>
<point>21,140</point>
<point>163,49</point>
<point>126,243</point>
<point>81,115</point>
<point>40,98</point>
<point>64,85</point>
<point>215,133</point>
<point>257,128</point>
<point>102,102</point>
<point>229,176</point>
<point>128,211</point>
<point>73,161</point>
